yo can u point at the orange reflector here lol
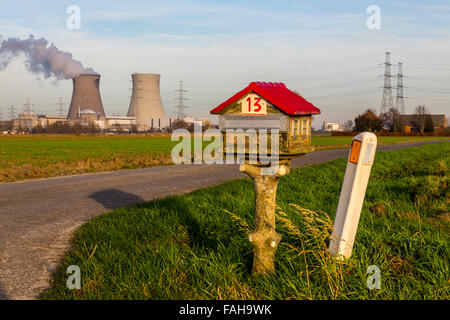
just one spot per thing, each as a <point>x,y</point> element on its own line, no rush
<point>354,154</point>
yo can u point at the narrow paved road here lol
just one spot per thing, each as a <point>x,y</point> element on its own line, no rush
<point>37,217</point>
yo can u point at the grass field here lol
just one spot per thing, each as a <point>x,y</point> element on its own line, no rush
<point>30,157</point>
<point>26,157</point>
<point>195,246</point>
<point>329,141</point>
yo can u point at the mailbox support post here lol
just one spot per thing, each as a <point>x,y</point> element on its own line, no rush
<point>264,238</point>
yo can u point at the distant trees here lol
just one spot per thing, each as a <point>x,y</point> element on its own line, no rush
<point>58,127</point>
<point>181,124</point>
<point>65,127</point>
<point>134,129</point>
<point>348,125</point>
<point>368,121</point>
<point>420,115</point>
<point>6,125</point>
<point>38,129</point>
<point>428,124</point>
<point>189,126</point>
<point>392,120</point>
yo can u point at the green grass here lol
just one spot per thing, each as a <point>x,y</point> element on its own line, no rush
<point>339,141</point>
<point>40,156</point>
<point>195,246</point>
<point>26,157</point>
<point>48,149</point>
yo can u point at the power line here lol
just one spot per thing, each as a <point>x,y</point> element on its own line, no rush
<point>353,93</point>
<point>345,84</point>
<point>440,79</point>
<point>434,99</point>
<point>335,74</point>
<point>430,67</point>
<point>430,90</point>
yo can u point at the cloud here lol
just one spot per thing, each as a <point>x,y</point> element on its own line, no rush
<point>435,7</point>
<point>160,10</point>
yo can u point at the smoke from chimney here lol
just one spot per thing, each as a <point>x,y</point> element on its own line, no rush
<point>42,59</point>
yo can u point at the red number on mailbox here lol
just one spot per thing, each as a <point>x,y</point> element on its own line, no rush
<point>258,105</point>
<point>249,99</point>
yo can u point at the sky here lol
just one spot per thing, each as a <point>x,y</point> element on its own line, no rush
<point>322,49</point>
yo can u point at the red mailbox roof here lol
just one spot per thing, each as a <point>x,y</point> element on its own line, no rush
<point>277,94</point>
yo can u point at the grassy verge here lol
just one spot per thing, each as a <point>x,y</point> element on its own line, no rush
<point>195,246</point>
<point>329,142</point>
<point>37,156</point>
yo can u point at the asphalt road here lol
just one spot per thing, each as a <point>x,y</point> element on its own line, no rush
<point>37,217</point>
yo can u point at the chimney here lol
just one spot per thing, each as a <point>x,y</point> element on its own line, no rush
<point>86,96</point>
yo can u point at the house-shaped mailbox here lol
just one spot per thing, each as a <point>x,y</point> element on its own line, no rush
<point>267,105</point>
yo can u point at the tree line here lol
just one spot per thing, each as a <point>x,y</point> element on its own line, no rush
<point>391,120</point>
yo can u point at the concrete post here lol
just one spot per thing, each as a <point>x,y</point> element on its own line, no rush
<point>360,160</point>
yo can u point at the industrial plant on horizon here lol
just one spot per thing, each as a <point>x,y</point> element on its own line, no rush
<point>145,112</point>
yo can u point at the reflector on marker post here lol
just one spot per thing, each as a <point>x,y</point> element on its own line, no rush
<point>354,187</point>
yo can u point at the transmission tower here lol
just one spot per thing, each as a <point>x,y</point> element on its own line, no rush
<point>28,106</point>
<point>387,101</point>
<point>399,100</point>
<point>60,104</point>
<point>181,99</point>
<point>13,113</point>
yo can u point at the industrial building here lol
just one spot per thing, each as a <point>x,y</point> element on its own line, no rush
<point>29,120</point>
<point>118,123</point>
<point>331,126</point>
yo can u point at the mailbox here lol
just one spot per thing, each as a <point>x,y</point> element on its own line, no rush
<point>270,106</point>
<point>265,112</point>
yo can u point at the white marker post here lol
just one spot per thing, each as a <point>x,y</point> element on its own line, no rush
<point>354,187</point>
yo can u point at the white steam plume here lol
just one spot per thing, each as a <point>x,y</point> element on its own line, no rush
<point>41,59</point>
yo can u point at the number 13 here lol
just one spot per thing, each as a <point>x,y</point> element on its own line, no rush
<point>256,104</point>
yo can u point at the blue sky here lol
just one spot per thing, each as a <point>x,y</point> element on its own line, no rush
<point>322,49</point>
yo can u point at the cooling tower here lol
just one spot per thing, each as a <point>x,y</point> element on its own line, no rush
<point>146,102</point>
<point>86,96</point>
